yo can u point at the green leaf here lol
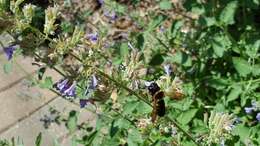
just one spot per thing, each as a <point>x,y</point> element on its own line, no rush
<point>129,107</point>
<point>124,50</point>
<point>165,5</point>
<point>72,121</point>
<point>157,59</point>
<point>8,67</point>
<point>74,141</point>
<point>156,22</point>
<point>122,123</point>
<point>113,129</point>
<point>185,117</point>
<point>134,137</point>
<point>220,44</point>
<point>143,108</point>
<point>256,69</point>
<point>228,13</point>
<point>47,83</point>
<point>242,66</point>
<point>234,93</point>
<point>242,131</point>
<point>208,21</point>
<point>218,83</point>
<point>176,26</point>
<point>38,139</point>
<point>182,59</point>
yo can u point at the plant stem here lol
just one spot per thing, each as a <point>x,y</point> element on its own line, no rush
<point>122,86</point>
<point>139,97</point>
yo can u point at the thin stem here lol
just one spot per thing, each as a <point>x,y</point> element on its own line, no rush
<point>139,97</point>
<point>120,85</point>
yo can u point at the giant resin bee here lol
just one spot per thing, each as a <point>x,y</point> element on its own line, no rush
<point>158,101</point>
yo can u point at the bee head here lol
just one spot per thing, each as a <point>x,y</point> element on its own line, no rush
<point>153,88</point>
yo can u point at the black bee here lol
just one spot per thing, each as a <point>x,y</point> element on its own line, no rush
<point>157,99</point>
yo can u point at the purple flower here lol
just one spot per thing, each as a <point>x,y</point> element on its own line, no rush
<point>93,82</point>
<point>9,51</point>
<point>249,110</point>
<point>101,2</point>
<point>258,117</point>
<point>66,87</point>
<point>93,37</point>
<point>167,69</point>
<point>162,29</point>
<point>62,85</point>
<point>71,91</point>
<point>111,15</point>
<point>83,102</point>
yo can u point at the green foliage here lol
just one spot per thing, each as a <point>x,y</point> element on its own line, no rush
<point>227,14</point>
<point>211,47</point>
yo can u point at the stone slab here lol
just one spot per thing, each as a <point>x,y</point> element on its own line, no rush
<point>20,100</point>
<point>29,128</point>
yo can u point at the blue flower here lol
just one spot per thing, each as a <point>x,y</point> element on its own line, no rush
<point>101,2</point>
<point>62,85</point>
<point>66,87</point>
<point>83,102</point>
<point>162,29</point>
<point>93,37</point>
<point>258,117</point>
<point>71,91</point>
<point>9,51</point>
<point>93,82</point>
<point>167,69</point>
<point>111,15</point>
<point>249,110</point>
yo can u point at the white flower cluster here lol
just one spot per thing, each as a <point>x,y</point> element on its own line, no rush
<point>220,126</point>
<point>51,14</point>
<point>29,11</point>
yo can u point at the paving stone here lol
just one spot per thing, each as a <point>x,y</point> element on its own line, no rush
<point>29,128</point>
<point>19,101</point>
<point>5,40</point>
<point>14,75</point>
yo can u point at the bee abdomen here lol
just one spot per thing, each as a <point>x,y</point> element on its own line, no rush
<point>160,107</point>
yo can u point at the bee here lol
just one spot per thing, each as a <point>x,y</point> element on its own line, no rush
<point>158,101</point>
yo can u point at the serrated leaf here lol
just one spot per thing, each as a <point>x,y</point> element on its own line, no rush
<point>228,13</point>
<point>185,117</point>
<point>242,66</point>
<point>134,137</point>
<point>234,93</point>
<point>129,107</point>
<point>220,44</point>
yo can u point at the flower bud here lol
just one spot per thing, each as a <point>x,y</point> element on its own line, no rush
<point>51,14</point>
<point>28,11</point>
